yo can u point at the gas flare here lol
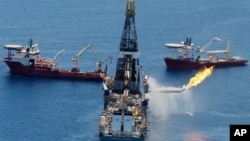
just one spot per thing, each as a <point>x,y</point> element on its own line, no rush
<point>199,77</point>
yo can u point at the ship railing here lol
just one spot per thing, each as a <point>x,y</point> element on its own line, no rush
<point>46,59</point>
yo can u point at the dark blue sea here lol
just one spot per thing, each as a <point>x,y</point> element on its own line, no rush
<point>41,109</point>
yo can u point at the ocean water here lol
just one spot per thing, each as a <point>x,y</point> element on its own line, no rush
<point>41,109</point>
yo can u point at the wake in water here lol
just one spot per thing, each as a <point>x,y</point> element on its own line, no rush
<point>162,104</point>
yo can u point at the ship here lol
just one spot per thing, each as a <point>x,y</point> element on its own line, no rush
<point>185,56</point>
<point>124,115</point>
<point>27,61</point>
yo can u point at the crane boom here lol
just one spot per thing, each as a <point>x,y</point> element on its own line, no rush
<point>82,51</point>
<point>208,44</point>
<point>58,53</point>
<point>226,51</point>
<point>76,57</point>
<point>99,63</point>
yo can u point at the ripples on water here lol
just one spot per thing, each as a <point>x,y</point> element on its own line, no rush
<point>46,109</point>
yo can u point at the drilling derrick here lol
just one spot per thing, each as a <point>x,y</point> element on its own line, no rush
<point>128,73</point>
<point>124,114</point>
<point>129,37</point>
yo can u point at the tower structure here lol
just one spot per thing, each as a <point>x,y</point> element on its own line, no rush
<point>128,74</point>
<point>124,115</point>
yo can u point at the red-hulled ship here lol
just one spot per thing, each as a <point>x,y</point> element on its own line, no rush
<point>27,61</point>
<point>182,56</point>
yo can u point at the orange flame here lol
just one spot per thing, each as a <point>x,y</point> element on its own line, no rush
<point>199,77</point>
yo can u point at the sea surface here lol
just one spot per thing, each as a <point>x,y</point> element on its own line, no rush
<point>42,109</point>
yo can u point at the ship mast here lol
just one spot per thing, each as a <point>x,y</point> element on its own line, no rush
<point>128,73</point>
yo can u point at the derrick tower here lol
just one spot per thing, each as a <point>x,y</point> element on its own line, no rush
<point>124,115</point>
<point>128,74</point>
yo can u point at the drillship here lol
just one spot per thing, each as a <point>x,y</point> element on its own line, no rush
<point>28,61</point>
<point>124,116</point>
<point>182,56</point>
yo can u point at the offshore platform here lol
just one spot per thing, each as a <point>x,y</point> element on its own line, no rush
<point>124,115</point>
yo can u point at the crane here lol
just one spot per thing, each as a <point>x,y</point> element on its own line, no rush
<point>226,51</point>
<point>58,53</point>
<point>55,58</point>
<point>76,57</point>
<point>202,49</point>
<point>99,63</point>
